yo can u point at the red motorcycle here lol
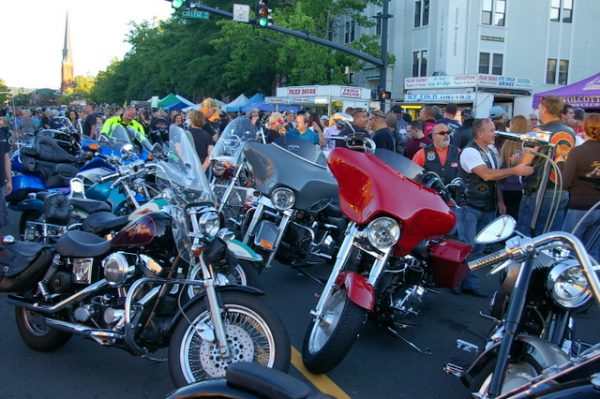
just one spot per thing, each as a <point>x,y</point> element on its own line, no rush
<point>393,249</point>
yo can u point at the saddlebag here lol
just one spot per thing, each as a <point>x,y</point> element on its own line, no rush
<point>22,265</point>
<point>449,262</point>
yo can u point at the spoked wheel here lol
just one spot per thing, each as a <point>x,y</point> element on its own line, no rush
<point>254,334</point>
<point>244,273</point>
<point>517,374</point>
<point>35,332</point>
<point>329,338</point>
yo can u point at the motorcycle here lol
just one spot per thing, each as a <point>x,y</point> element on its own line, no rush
<point>294,220</point>
<point>128,292</point>
<point>250,381</point>
<point>231,181</point>
<point>546,280</point>
<point>393,249</point>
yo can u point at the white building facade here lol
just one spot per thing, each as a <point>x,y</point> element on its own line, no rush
<point>547,43</point>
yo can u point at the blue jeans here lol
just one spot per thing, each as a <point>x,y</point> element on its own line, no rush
<point>586,230</point>
<point>472,221</point>
<point>527,208</point>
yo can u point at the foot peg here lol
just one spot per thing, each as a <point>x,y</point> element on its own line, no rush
<point>454,369</point>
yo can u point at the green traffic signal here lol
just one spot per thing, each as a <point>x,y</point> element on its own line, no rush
<point>177,4</point>
<point>264,17</point>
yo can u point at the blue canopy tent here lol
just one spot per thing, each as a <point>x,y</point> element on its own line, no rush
<point>266,107</point>
<point>255,99</point>
<point>234,106</point>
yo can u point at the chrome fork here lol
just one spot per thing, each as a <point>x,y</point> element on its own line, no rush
<point>285,219</point>
<point>254,222</point>
<point>340,261</point>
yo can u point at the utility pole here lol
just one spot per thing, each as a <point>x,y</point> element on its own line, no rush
<point>384,46</point>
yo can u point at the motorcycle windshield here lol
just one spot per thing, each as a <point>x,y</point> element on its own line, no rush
<point>139,138</point>
<point>273,167</point>
<point>233,138</point>
<point>370,188</point>
<point>303,148</point>
<point>182,179</point>
<point>119,136</point>
<point>400,163</point>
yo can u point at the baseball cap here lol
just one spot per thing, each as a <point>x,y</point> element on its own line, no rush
<point>325,117</point>
<point>496,112</point>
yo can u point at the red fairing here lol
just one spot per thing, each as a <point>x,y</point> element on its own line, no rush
<point>449,267</point>
<point>360,292</point>
<point>370,188</point>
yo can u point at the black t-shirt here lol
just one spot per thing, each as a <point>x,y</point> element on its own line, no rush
<point>158,123</point>
<point>4,149</point>
<point>88,123</point>
<point>202,139</point>
<point>212,128</point>
<point>383,139</point>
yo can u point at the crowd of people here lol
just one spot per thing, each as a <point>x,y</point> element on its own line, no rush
<point>501,176</point>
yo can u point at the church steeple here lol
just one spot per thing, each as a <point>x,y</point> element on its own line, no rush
<point>67,60</point>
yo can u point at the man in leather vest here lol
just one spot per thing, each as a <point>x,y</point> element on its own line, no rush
<point>479,167</point>
<point>563,138</point>
<point>440,156</point>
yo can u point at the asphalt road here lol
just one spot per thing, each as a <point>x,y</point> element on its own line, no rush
<point>378,366</point>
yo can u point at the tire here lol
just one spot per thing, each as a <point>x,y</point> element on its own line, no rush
<point>244,273</point>
<point>244,315</point>
<point>34,332</point>
<point>517,374</point>
<point>323,350</point>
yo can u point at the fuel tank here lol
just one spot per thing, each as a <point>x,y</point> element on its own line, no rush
<point>151,231</point>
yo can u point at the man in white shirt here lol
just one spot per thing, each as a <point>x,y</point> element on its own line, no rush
<point>480,170</point>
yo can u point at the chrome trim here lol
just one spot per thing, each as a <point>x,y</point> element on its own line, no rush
<point>340,261</point>
<point>287,215</point>
<point>61,305</point>
<point>378,266</point>
<point>254,222</point>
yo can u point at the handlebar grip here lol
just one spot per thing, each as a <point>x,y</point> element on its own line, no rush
<point>490,259</point>
<point>108,177</point>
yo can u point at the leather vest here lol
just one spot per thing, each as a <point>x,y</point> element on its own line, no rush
<point>481,194</point>
<point>433,163</point>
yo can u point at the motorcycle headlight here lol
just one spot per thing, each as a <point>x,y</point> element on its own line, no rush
<point>210,223</point>
<point>383,233</point>
<point>568,285</point>
<point>283,198</point>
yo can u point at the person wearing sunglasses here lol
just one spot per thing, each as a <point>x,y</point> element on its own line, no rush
<point>440,156</point>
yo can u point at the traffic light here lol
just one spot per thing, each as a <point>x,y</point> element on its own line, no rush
<point>384,95</point>
<point>264,13</point>
<point>177,4</point>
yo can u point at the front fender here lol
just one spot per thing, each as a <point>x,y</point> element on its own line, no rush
<point>360,292</point>
<point>542,352</point>
<point>202,295</point>
<point>243,251</point>
<point>214,388</point>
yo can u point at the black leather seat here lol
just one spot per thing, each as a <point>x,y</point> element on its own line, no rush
<point>267,382</point>
<point>46,149</point>
<point>90,205</point>
<point>104,222</point>
<point>81,244</point>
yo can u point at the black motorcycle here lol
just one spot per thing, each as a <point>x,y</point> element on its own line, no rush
<point>546,279</point>
<point>295,220</point>
<point>129,292</point>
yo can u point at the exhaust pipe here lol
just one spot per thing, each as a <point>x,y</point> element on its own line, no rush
<point>16,301</point>
<point>81,329</point>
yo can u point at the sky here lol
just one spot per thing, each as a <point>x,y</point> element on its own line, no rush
<point>33,33</point>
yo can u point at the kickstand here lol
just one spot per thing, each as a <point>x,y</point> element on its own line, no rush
<point>310,276</point>
<point>425,351</point>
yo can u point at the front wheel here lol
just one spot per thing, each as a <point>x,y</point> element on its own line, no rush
<point>244,273</point>
<point>329,338</point>
<point>254,334</point>
<point>517,374</point>
<point>36,334</point>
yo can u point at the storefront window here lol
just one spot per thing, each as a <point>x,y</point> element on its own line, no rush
<point>484,63</point>
<point>424,63</point>
<point>497,61</point>
<point>415,64</point>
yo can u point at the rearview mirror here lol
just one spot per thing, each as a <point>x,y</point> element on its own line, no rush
<point>498,230</point>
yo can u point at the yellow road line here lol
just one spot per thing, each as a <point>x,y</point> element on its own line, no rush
<point>320,381</point>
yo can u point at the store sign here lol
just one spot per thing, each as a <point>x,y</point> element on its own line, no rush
<point>351,92</point>
<point>274,100</point>
<point>582,101</point>
<point>302,91</point>
<point>472,80</point>
<point>302,100</point>
<point>439,97</point>
<point>492,38</point>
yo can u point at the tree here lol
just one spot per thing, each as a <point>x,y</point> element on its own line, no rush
<point>80,90</point>
<point>3,92</point>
